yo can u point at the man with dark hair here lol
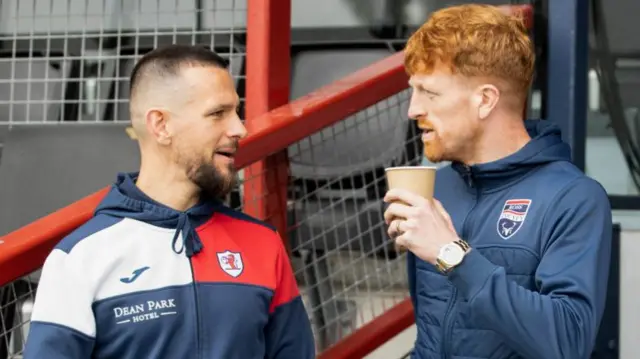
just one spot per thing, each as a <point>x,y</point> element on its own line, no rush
<point>165,269</point>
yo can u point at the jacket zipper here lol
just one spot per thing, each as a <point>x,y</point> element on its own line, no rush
<point>197,302</point>
<point>449,315</point>
<point>447,332</point>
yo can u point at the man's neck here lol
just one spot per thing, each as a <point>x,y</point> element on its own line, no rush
<point>168,186</point>
<point>501,138</point>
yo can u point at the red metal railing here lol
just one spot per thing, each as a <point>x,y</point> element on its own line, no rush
<point>267,87</point>
<point>25,249</point>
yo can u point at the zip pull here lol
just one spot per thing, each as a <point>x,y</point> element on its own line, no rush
<point>468,176</point>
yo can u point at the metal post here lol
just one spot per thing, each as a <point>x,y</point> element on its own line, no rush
<point>568,57</point>
<point>267,87</point>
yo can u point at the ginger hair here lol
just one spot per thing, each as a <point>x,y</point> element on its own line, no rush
<point>480,41</point>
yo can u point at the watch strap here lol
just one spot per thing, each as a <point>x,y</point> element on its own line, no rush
<point>444,267</point>
<point>463,244</point>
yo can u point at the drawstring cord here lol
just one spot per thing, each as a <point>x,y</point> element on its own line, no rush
<point>190,239</point>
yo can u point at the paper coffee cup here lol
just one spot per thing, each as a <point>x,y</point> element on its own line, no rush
<point>420,180</point>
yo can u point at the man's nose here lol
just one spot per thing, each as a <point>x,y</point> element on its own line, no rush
<point>416,109</point>
<point>237,128</point>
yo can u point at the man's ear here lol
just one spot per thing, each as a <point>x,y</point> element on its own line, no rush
<point>156,121</point>
<point>487,97</point>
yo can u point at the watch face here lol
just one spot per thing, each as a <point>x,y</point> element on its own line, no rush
<point>451,254</point>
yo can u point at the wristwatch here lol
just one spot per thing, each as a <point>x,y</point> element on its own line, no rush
<point>451,255</point>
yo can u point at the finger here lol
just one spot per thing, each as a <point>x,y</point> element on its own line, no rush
<point>397,210</point>
<point>443,212</point>
<point>395,228</point>
<point>398,248</point>
<point>403,241</point>
<point>402,195</point>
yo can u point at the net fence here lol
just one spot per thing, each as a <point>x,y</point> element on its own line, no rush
<point>69,60</point>
<point>347,268</point>
<point>16,302</point>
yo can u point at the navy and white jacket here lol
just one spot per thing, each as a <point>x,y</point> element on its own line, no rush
<point>141,280</point>
<point>535,282</point>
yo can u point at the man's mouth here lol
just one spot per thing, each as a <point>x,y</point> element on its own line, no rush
<point>226,153</point>
<point>229,152</point>
<point>428,134</point>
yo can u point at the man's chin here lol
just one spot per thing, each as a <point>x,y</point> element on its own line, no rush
<point>229,173</point>
<point>434,156</point>
<point>216,181</point>
<point>231,180</point>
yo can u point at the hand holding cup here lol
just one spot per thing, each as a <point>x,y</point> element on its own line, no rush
<point>416,179</point>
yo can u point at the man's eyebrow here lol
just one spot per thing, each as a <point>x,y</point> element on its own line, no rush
<point>431,92</point>
<point>422,88</point>
<point>221,107</point>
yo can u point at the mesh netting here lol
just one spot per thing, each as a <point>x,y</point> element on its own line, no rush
<point>16,301</point>
<point>69,60</point>
<point>347,266</point>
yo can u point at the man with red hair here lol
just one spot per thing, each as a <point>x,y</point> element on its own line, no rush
<point>512,259</point>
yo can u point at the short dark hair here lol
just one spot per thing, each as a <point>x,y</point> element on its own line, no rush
<point>168,60</point>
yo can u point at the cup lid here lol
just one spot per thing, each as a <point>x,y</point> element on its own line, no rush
<point>411,168</point>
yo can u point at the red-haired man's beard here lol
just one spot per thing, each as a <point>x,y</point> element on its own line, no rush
<point>434,149</point>
<point>433,146</point>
